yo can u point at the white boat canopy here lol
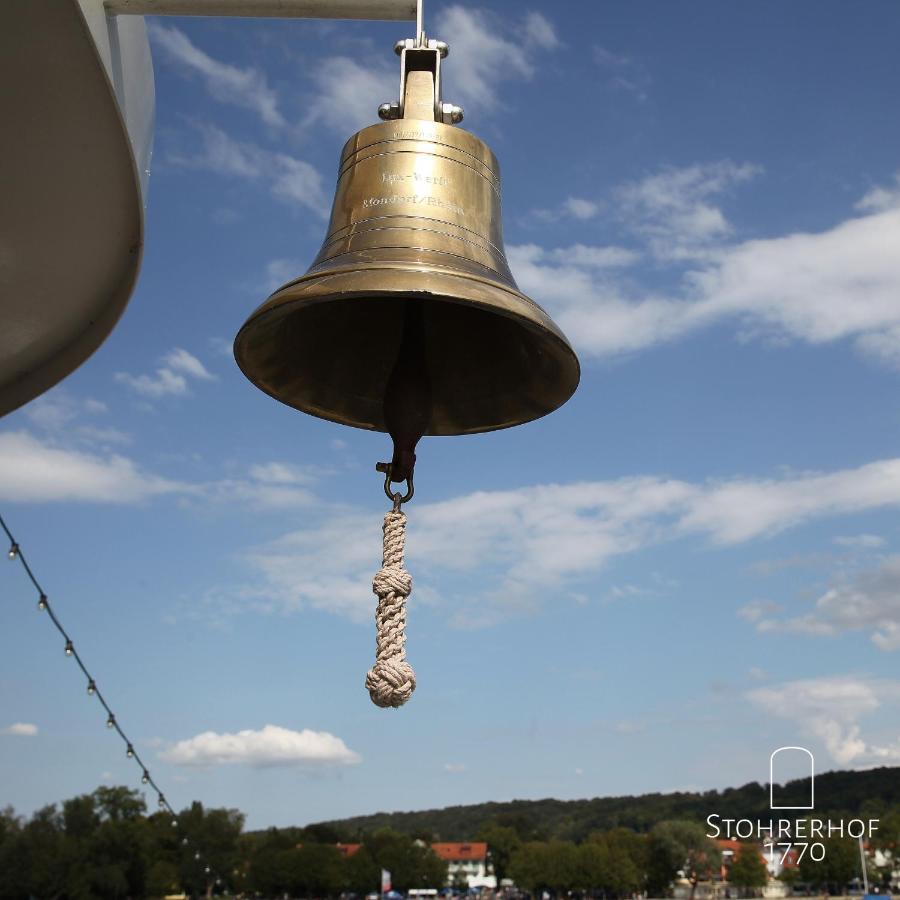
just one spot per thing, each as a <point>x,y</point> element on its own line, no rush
<point>76,107</point>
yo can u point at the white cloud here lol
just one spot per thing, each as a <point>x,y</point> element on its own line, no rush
<point>867,601</point>
<point>165,381</point>
<point>758,610</point>
<point>245,88</point>
<point>289,179</point>
<point>57,412</point>
<point>282,473</point>
<point>102,437</point>
<point>738,510</point>
<point>838,284</point>
<point>579,208</point>
<point>270,746</point>
<point>21,729</point>
<point>623,72</point>
<point>830,708</point>
<point>627,727</point>
<point>181,361</point>
<point>672,208</point>
<point>278,273</point>
<point>587,257</point>
<point>348,94</point>
<point>860,541</point>
<point>881,199</point>
<point>539,32</point>
<point>328,566</point>
<point>481,57</point>
<point>56,409</point>
<point>508,550</point>
<point>455,768</point>
<point>35,471</point>
<point>591,306</point>
<point>266,487</point>
<point>296,181</point>
<point>171,378</point>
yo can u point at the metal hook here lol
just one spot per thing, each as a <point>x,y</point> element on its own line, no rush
<point>395,496</point>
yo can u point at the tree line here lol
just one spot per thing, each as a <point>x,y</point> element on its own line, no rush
<point>842,794</point>
<point>106,845</point>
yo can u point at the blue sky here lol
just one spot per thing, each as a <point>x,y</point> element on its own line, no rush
<point>693,562</point>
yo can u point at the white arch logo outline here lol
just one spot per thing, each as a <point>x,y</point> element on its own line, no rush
<point>812,778</point>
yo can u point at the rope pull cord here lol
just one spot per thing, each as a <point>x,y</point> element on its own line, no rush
<point>407,412</point>
<point>391,681</point>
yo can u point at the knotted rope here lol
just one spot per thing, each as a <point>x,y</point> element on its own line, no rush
<point>391,680</point>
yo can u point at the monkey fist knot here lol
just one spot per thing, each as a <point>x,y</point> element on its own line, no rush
<point>390,682</point>
<point>392,580</point>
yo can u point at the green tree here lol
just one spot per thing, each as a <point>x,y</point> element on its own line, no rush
<point>625,861</point>
<point>502,841</point>
<point>12,878</point>
<point>39,856</point>
<point>748,871</point>
<point>162,878</point>
<point>887,838</point>
<point>840,865</point>
<point>315,870</point>
<point>556,866</point>
<point>682,846</point>
<point>362,874</point>
<point>594,870</point>
<point>527,866</point>
<point>217,832</point>
<point>269,862</point>
<point>412,864</point>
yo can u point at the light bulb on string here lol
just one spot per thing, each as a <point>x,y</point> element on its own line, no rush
<point>42,603</point>
<point>185,841</point>
<point>174,823</point>
<point>69,650</point>
<point>145,778</point>
<point>129,752</point>
<point>91,687</point>
<point>206,869</point>
<point>161,802</point>
<point>111,721</point>
<point>13,550</point>
<point>197,855</point>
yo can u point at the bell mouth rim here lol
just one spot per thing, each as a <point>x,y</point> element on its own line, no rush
<point>287,297</point>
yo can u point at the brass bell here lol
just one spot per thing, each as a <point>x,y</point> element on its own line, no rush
<point>409,320</point>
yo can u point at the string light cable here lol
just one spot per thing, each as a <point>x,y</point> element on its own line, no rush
<point>112,721</point>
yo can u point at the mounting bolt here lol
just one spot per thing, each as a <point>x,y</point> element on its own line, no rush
<point>451,114</point>
<point>389,111</point>
<point>442,46</point>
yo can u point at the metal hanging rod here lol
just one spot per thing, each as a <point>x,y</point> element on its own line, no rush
<point>395,10</point>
